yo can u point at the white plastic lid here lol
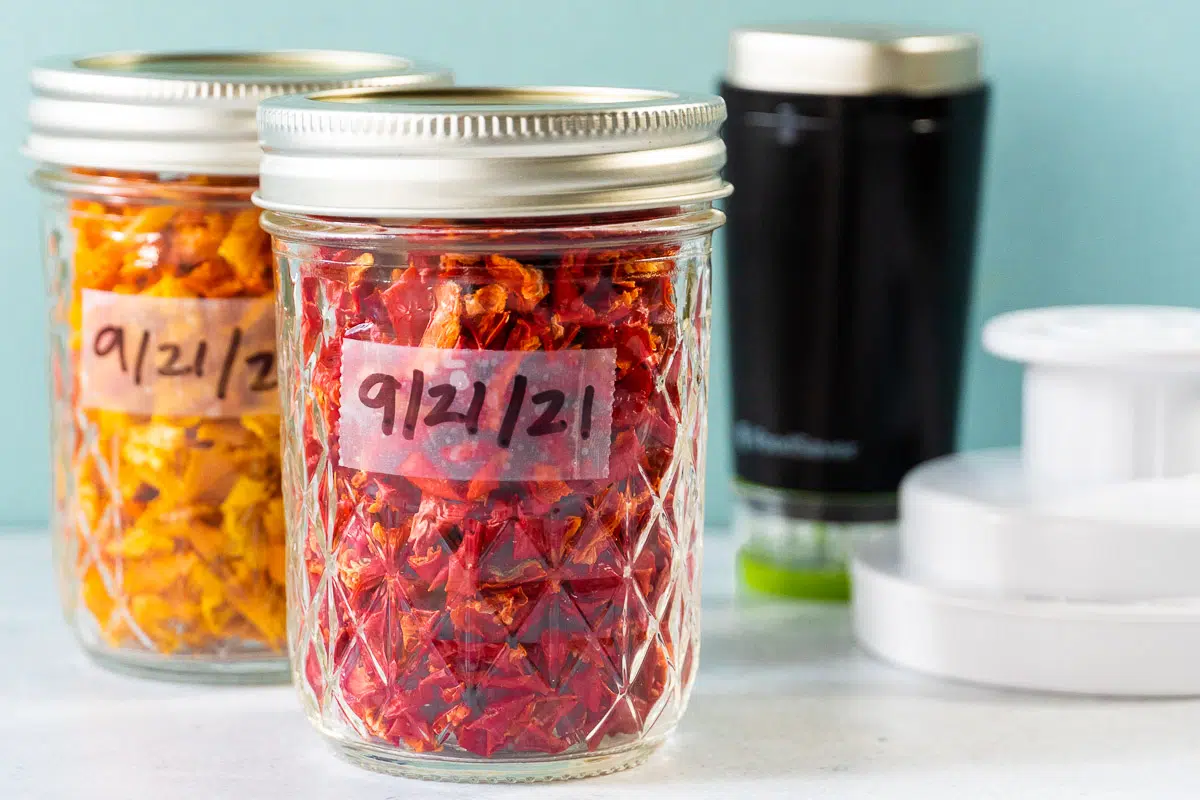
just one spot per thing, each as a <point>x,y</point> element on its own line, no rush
<point>1111,393</point>
<point>1142,338</point>
<point>1149,649</point>
<point>975,522</point>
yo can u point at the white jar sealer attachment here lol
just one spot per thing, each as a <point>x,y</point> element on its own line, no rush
<point>1072,564</point>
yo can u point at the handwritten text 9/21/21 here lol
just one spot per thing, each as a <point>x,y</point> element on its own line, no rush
<point>178,356</point>
<point>382,391</point>
<point>187,359</point>
<point>456,414</point>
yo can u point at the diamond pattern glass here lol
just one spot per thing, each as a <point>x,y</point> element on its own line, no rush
<point>496,630</point>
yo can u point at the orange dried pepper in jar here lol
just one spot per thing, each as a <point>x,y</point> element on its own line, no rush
<point>180,519</point>
<point>168,518</point>
<point>183,528</point>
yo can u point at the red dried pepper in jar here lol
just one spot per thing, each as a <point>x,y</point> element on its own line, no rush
<point>494,377</point>
<point>168,514</point>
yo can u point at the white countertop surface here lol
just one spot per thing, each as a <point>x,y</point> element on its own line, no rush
<point>784,706</point>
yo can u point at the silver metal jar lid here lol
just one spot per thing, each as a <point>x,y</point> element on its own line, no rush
<point>833,59</point>
<point>488,152</point>
<point>185,112</point>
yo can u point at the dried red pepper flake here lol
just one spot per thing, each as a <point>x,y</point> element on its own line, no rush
<point>485,616</point>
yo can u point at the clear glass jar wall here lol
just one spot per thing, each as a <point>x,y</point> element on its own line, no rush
<point>168,526</point>
<point>454,622</point>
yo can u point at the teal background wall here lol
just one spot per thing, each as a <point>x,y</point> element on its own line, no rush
<point>1093,168</point>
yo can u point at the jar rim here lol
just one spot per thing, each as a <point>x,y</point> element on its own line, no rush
<point>147,188</point>
<point>534,233</point>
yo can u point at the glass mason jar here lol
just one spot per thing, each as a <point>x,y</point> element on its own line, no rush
<point>167,508</point>
<point>494,420</point>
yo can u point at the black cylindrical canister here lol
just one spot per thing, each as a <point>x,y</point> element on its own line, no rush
<point>856,152</point>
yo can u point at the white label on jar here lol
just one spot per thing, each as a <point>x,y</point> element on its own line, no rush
<point>476,414</point>
<point>178,356</point>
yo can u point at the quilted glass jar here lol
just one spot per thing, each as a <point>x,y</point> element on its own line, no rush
<point>168,515</point>
<point>494,420</point>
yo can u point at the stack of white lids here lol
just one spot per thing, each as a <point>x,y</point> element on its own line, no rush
<point>1071,565</point>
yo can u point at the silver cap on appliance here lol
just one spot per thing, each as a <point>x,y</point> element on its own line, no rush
<point>836,59</point>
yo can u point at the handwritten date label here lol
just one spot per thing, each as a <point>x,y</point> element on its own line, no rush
<point>476,414</point>
<point>178,356</point>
